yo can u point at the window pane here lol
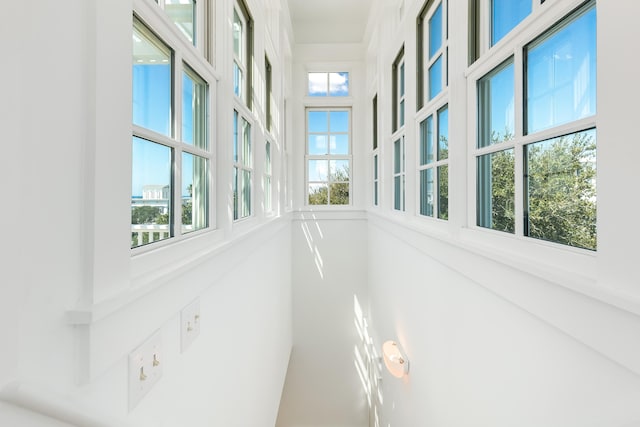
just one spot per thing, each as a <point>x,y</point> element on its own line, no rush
<point>318,84</point>
<point>426,192</point>
<point>397,193</point>
<point>318,170</point>
<point>318,194</point>
<point>317,121</point>
<point>339,84</point>
<point>505,15</point>
<point>426,141</point>
<point>561,74</point>
<point>339,121</point>
<point>236,200</point>
<point>375,167</point>
<point>235,136</point>
<point>397,157</point>
<point>339,144</point>
<point>339,170</point>
<point>150,192</point>
<point>443,192</point>
<point>247,157</point>
<point>401,80</point>
<point>238,29</point>
<point>495,191</point>
<point>318,144</point>
<point>435,78</point>
<point>194,110</point>
<point>443,134</point>
<point>435,31</point>
<point>561,190</point>
<point>195,192</point>
<point>496,106</point>
<point>402,113</point>
<point>151,81</point>
<point>267,158</point>
<point>267,194</point>
<point>238,81</point>
<point>246,193</point>
<point>183,13</point>
<point>339,193</point>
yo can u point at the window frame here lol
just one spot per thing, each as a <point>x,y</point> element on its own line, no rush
<point>375,152</point>
<point>184,59</point>
<point>242,165</point>
<point>398,82</point>
<point>328,157</point>
<point>244,61</point>
<point>399,201</point>
<point>542,21</point>
<point>424,61</point>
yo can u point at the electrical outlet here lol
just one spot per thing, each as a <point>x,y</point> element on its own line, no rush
<point>145,368</point>
<point>189,324</point>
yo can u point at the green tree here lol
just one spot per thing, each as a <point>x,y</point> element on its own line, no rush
<point>335,193</point>
<point>144,214</point>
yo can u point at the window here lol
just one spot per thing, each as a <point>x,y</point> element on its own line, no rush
<point>242,167</point>
<point>170,164</point>
<point>329,84</point>
<point>554,149</point>
<point>328,156</point>
<point>432,55</point>
<point>434,165</point>
<point>398,91</point>
<point>376,177</point>
<point>268,93</point>
<point>242,52</point>
<point>398,174</point>
<point>268,191</point>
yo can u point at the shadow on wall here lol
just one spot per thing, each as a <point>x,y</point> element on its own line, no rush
<point>312,235</point>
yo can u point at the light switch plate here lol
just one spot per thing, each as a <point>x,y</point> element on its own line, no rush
<point>145,368</point>
<point>189,324</point>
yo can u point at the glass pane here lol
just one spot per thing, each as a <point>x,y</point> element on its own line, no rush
<point>435,78</point>
<point>443,134</point>
<point>401,90</point>
<point>267,158</point>
<point>339,84</point>
<point>267,194</point>
<point>194,110</point>
<point>496,108</point>
<point>150,192</point>
<point>561,74</point>
<point>236,200</point>
<point>560,180</point>
<point>397,157</point>
<point>505,15</point>
<point>339,144</point>
<point>238,81</point>
<point>401,113</point>
<point>318,144</point>
<point>443,192</point>
<point>397,192</point>
<point>246,194</point>
<point>339,193</point>
<point>183,13</point>
<point>151,81</point>
<point>495,191</point>
<point>318,84</point>
<point>339,121</point>
<point>195,192</point>
<point>426,192</point>
<point>318,194</point>
<point>238,29</point>
<point>375,193</point>
<point>426,141</point>
<point>375,167</point>
<point>318,170</point>
<point>247,157</point>
<point>339,170</point>
<point>317,121</point>
<point>235,136</point>
<point>435,31</point>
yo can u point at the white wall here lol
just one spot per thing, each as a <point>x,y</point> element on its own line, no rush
<point>498,334</point>
<point>73,300</point>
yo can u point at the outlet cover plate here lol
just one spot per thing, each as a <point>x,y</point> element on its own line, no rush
<point>189,324</point>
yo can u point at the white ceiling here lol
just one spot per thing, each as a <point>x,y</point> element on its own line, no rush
<point>329,21</point>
